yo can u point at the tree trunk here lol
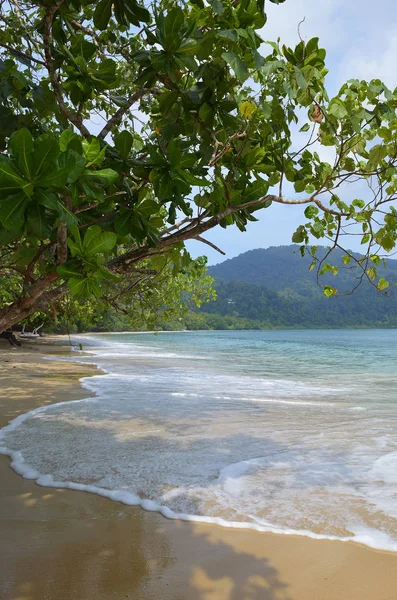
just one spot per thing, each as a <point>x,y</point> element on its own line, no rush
<point>32,301</point>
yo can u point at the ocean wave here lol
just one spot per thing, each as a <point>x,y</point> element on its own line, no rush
<point>363,535</point>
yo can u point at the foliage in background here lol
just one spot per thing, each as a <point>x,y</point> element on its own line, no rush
<point>150,305</point>
<point>126,130</point>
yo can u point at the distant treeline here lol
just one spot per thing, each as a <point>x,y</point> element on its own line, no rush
<point>244,306</point>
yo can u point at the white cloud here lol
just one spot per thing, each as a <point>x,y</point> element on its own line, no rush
<point>376,60</point>
<point>323,19</point>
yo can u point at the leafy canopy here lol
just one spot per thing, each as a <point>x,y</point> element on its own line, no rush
<point>127,129</point>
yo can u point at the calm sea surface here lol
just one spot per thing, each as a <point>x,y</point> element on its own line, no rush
<point>290,431</point>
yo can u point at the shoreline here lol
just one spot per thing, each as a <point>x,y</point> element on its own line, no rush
<point>268,565</point>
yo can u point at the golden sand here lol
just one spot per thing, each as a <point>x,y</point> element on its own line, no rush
<point>68,545</point>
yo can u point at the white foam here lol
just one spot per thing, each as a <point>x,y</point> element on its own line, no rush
<point>366,536</point>
<point>231,477</point>
<point>385,468</point>
<point>290,402</point>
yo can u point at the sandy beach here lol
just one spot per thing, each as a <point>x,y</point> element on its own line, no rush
<point>68,545</point>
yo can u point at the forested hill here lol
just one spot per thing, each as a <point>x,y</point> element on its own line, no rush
<point>274,288</point>
<point>282,268</point>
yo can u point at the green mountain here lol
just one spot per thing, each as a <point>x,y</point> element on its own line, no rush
<point>283,269</point>
<point>273,287</point>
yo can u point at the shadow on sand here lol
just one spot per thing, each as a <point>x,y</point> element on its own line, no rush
<point>66,545</point>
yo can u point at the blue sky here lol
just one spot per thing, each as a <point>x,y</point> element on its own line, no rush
<point>360,37</point>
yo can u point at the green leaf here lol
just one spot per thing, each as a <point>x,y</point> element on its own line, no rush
<point>12,211</point>
<point>173,23</point>
<point>305,127</point>
<point>254,191</point>
<point>329,291</point>
<point>311,45</point>
<point>372,273</point>
<point>21,146</point>
<point>8,122</point>
<point>37,223</point>
<point>300,79</point>
<point>23,256</point>
<point>135,12</point>
<point>93,153</point>
<point>123,142</point>
<point>376,155</point>
<point>79,165</point>
<point>385,239</point>
<point>147,208</point>
<point>239,67</point>
<point>191,179</point>
<point>166,100</point>
<point>120,101</point>
<point>310,189</point>
<point>311,211</point>
<point>228,34</point>
<point>84,287</point>
<point>365,239</point>
<point>123,221</point>
<point>102,14</point>
<point>300,186</point>
<point>69,270</point>
<point>96,240</point>
<point>7,236</point>
<point>165,188</point>
<point>383,284</point>
<point>10,181</point>
<point>75,248</point>
<point>66,136</point>
<point>46,153</point>
<point>206,113</point>
<point>349,164</point>
<point>246,109</point>
<point>300,235</point>
<point>58,177</point>
<point>174,153</point>
<point>107,176</point>
<point>337,109</point>
<point>217,7</point>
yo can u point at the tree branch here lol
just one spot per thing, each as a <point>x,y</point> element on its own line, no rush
<point>204,241</point>
<point>24,307</point>
<point>67,112</point>
<point>22,54</point>
<point>118,115</point>
<point>316,201</point>
<point>62,246</point>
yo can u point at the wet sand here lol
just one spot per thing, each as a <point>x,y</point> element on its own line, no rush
<point>68,545</point>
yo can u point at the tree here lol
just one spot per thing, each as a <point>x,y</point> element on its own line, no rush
<point>126,130</point>
<point>141,305</point>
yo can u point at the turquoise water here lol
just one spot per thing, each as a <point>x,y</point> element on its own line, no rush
<point>288,431</point>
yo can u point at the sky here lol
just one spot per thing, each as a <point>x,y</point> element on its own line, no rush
<point>360,37</point>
